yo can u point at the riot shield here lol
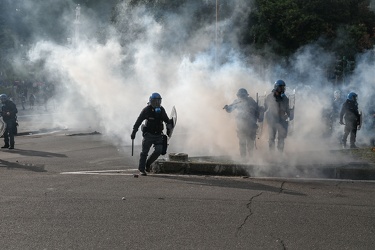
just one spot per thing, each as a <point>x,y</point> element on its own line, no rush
<point>292,103</point>
<point>166,139</point>
<point>260,101</point>
<point>2,126</point>
<point>360,120</point>
<point>173,116</point>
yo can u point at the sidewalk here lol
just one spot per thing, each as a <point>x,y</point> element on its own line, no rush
<point>225,166</point>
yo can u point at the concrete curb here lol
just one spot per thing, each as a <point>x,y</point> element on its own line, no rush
<point>350,170</point>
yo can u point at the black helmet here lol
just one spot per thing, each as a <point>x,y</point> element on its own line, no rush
<point>279,86</point>
<point>242,93</point>
<point>352,96</point>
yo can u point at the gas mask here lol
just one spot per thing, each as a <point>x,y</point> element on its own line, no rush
<point>155,103</point>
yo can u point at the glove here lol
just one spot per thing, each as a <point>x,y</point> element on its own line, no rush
<point>168,132</point>
<point>132,136</point>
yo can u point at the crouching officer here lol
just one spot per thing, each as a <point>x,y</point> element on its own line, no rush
<point>8,112</point>
<point>155,115</point>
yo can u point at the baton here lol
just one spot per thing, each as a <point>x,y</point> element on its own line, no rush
<point>132,146</point>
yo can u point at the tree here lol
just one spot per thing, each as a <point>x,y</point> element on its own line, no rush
<point>6,44</point>
<point>287,25</point>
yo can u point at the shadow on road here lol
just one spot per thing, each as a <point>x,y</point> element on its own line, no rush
<point>248,185</point>
<point>35,153</point>
<point>30,167</point>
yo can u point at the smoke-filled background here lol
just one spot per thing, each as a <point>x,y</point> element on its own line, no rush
<point>104,73</point>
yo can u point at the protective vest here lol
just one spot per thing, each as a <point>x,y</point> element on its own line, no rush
<point>10,107</point>
<point>153,120</point>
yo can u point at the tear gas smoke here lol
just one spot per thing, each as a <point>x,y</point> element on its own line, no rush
<point>104,82</point>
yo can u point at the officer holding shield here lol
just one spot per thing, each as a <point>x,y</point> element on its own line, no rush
<point>154,114</point>
<point>277,114</point>
<point>350,113</point>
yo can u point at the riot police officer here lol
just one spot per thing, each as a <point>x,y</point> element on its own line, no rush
<point>246,119</point>
<point>8,112</point>
<point>154,114</point>
<point>349,112</point>
<point>277,114</point>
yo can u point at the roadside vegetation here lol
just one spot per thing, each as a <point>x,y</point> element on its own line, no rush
<point>267,28</point>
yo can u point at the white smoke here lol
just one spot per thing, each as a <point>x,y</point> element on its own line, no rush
<point>105,85</point>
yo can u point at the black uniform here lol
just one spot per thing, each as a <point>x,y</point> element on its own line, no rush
<point>370,124</point>
<point>246,118</point>
<point>152,134</point>
<point>277,113</point>
<point>349,112</point>
<point>8,112</point>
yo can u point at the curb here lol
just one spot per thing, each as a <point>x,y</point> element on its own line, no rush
<point>351,170</point>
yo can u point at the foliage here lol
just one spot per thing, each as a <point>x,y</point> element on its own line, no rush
<point>343,27</point>
<point>289,24</point>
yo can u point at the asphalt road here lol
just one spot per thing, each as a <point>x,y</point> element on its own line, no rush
<point>78,192</point>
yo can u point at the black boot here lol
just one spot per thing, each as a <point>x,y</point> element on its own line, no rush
<point>343,143</point>
<point>5,146</point>
<point>142,172</point>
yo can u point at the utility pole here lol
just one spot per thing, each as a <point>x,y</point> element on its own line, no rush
<point>216,31</point>
<point>76,25</point>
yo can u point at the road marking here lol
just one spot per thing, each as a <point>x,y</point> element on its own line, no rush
<point>105,172</point>
<point>131,172</point>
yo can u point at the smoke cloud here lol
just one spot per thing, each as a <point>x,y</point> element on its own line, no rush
<point>105,76</point>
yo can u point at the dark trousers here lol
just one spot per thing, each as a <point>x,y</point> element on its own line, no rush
<point>281,128</point>
<point>350,128</point>
<point>147,142</point>
<point>9,133</point>
<point>246,141</point>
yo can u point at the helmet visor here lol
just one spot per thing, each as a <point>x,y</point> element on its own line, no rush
<point>155,103</point>
<point>280,88</point>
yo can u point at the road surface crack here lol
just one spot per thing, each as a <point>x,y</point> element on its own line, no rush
<point>281,243</point>
<point>248,206</point>
<point>282,187</point>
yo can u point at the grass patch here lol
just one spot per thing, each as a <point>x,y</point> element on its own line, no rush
<point>363,154</point>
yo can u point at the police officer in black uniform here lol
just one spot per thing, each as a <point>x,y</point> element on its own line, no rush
<point>349,112</point>
<point>155,115</point>
<point>246,118</point>
<point>277,113</point>
<point>8,112</point>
